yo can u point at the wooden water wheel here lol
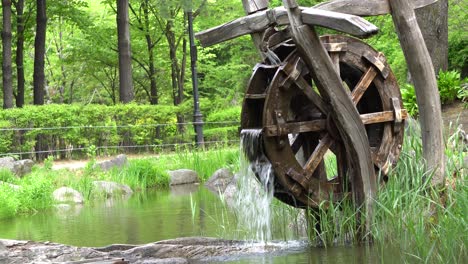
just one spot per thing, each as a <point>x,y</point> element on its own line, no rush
<point>298,136</point>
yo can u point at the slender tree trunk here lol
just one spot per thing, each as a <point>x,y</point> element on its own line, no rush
<point>39,53</point>
<point>150,45</point>
<point>6,55</point>
<point>125,55</point>
<point>20,53</point>
<point>433,22</point>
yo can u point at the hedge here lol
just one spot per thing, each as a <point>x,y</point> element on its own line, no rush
<point>57,127</point>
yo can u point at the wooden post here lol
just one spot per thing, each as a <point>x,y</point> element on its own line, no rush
<point>250,7</point>
<point>425,84</point>
<point>344,114</point>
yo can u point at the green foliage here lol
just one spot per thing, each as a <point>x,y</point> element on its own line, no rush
<point>458,35</point>
<point>225,123</point>
<point>408,95</point>
<point>9,203</point>
<point>450,86</point>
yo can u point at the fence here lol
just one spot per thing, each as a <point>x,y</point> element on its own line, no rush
<point>70,142</point>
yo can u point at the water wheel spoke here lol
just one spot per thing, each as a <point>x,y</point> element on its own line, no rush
<point>295,128</point>
<point>363,84</point>
<point>381,117</point>
<point>318,155</point>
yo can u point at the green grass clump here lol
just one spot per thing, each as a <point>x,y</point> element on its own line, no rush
<point>425,224</point>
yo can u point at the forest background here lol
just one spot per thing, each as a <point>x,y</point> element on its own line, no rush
<point>65,91</point>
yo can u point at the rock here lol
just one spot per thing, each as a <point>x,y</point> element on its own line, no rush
<point>19,168</point>
<point>117,162</point>
<point>67,195</point>
<point>7,163</point>
<point>183,176</point>
<point>12,186</point>
<point>110,189</point>
<point>181,250</point>
<point>218,182</point>
<point>230,192</point>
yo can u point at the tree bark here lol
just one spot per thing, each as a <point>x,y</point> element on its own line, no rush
<point>425,84</point>
<point>20,53</point>
<point>125,55</point>
<point>433,22</point>
<point>39,53</point>
<point>6,55</point>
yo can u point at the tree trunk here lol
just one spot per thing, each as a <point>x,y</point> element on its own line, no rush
<point>425,84</point>
<point>433,22</point>
<point>6,55</point>
<point>39,53</point>
<point>125,55</point>
<point>150,45</point>
<point>20,53</point>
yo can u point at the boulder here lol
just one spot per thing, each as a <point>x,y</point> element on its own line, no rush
<point>110,189</point>
<point>67,195</point>
<point>218,182</point>
<point>117,162</point>
<point>182,176</point>
<point>19,168</point>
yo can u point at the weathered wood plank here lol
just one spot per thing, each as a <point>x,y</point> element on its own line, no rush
<point>425,84</point>
<point>366,7</point>
<point>363,84</point>
<point>260,21</point>
<point>252,6</point>
<point>382,117</point>
<point>294,128</point>
<point>316,158</point>
<point>350,24</point>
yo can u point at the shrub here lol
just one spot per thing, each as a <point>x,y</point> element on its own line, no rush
<point>450,86</point>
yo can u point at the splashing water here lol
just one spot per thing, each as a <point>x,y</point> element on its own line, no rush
<point>253,200</point>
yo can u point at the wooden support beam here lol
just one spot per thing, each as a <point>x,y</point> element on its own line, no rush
<point>425,84</point>
<point>261,20</point>
<point>366,7</point>
<point>345,114</point>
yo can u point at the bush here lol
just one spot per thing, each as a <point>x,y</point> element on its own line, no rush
<point>450,86</point>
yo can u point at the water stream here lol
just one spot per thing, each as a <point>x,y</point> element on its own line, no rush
<point>253,200</point>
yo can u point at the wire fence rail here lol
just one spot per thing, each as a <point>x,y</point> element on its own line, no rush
<point>69,142</point>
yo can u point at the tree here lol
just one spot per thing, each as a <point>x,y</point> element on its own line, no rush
<point>144,25</point>
<point>39,53</point>
<point>19,60</point>
<point>125,55</point>
<point>433,21</point>
<point>6,55</point>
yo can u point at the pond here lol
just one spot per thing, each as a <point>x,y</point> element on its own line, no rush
<point>166,214</point>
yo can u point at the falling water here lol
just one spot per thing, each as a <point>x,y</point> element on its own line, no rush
<point>254,197</point>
